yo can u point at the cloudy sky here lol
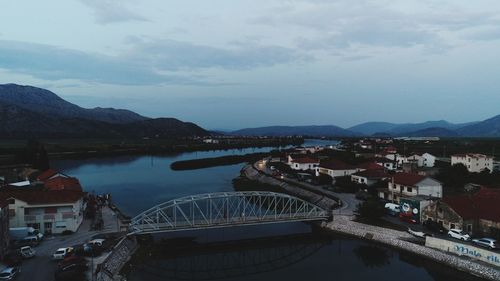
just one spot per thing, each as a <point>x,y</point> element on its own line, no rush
<point>231,64</point>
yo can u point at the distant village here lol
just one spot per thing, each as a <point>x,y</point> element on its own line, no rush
<point>408,180</point>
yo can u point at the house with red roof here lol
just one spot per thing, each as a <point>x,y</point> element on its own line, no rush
<point>410,185</point>
<point>335,168</point>
<point>369,177</point>
<point>49,211</point>
<point>63,183</point>
<point>49,174</point>
<point>478,213</point>
<point>302,162</point>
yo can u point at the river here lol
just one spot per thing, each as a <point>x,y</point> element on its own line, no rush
<point>271,252</point>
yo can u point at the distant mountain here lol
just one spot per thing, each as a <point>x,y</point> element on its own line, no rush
<point>33,112</point>
<point>47,103</point>
<point>315,131</point>
<point>370,128</point>
<point>487,128</point>
<point>404,129</point>
<point>433,132</point>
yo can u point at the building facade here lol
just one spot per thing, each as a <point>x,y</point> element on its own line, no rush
<point>475,163</point>
<point>410,185</point>
<point>47,211</point>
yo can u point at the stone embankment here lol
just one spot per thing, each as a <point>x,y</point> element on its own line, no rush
<point>399,239</point>
<point>319,199</point>
<point>120,255</point>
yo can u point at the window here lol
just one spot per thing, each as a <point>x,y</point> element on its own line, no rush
<point>12,213</point>
<point>452,225</point>
<point>469,228</point>
<point>409,189</point>
<point>12,201</point>
<point>50,210</point>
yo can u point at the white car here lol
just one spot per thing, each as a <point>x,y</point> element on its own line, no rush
<point>61,253</point>
<point>486,242</point>
<point>9,273</point>
<point>458,234</point>
<point>97,242</point>
<point>27,252</point>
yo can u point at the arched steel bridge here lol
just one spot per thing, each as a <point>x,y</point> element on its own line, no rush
<point>225,209</point>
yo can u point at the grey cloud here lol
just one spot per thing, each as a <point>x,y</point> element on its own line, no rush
<point>110,11</point>
<point>157,62</point>
<point>173,55</point>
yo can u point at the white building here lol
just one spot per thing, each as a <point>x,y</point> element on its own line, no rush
<point>47,211</point>
<point>475,163</point>
<point>303,163</point>
<point>335,168</point>
<point>410,185</point>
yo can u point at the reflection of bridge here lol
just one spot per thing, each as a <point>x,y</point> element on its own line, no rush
<point>225,209</point>
<point>214,261</point>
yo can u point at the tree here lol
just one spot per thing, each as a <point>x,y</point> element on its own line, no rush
<point>371,209</point>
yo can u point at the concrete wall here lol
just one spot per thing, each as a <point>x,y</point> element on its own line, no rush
<point>461,249</point>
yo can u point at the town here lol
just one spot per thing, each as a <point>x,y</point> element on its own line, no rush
<point>47,215</point>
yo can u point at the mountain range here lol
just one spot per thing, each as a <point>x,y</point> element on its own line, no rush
<point>440,128</point>
<point>27,111</point>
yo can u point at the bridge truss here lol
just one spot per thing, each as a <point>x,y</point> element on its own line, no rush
<point>225,209</point>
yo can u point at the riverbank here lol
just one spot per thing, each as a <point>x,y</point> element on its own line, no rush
<point>215,161</point>
<point>250,172</point>
<point>13,151</point>
<point>344,224</point>
<point>400,240</point>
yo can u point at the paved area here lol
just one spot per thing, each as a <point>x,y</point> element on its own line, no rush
<point>349,202</point>
<point>42,267</point>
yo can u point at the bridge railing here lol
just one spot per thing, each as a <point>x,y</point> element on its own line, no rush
<point>225,209</point>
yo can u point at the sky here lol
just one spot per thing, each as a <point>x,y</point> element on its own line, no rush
<point>227,64</point>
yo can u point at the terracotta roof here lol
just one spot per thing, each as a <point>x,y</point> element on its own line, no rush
<point>305,160</point>
<point>407,179</point>
<point>335,164</point>
<point>383,160</point>
<point>484,204</point>
<point>63,183</point>
<point>39,197</point>
<point>46,174</point>
<point>369,166</point>
<point>372,174</point>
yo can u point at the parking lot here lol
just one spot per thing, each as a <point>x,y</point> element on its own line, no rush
<point>42,267</point>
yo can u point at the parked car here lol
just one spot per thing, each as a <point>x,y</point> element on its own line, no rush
<point>81,261</point>
<point>97,242</point>
<point>61,253</point>
<point>434,227</point>
<point>418,234</point>
<point>408,219</point>
<point>393,209</point>
<point>9,273</point>
<point>27,252</point>
<point>486,242</point>
<point>458,234</point>
<point>31,240</point>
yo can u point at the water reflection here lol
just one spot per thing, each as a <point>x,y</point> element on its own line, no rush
<point>372,256</point>
<point>185,259</point>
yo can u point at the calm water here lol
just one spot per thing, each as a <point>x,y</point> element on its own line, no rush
<point>287,252</point>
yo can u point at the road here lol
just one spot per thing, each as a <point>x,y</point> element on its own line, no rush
<point>349,201</point>
<point>42,267</point>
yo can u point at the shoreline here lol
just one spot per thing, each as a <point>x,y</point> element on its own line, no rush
<point>343,224</point>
